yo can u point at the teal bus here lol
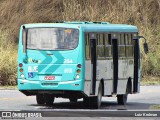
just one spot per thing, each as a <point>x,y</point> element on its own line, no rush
<point>74,60</point>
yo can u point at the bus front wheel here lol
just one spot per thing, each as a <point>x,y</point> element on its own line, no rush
<point>49,99</point>
<point>94,102</point>
<point>98,99</point>
<point>40,99</point>
<point>122,99</point>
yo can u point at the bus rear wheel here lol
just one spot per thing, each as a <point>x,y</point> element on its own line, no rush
<point>122,99</point>
<point>40,99</point>
<point>73,99</point>
<point>49,99</point>
<point>94,102</point>
<point>98,99</point>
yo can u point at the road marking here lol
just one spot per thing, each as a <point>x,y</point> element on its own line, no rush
<point>15,98</point>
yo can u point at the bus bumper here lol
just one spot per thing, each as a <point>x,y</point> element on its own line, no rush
<point>75,85</point>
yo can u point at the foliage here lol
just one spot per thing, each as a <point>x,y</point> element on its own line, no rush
<point>142,13</point>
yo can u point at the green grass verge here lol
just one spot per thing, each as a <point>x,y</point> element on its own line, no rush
<point>9,87</point>
<point>155,107</point>
<point>150,80</point>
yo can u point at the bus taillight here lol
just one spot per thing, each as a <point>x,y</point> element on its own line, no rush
<point>21,70</point>
<point>78,71</point>
<point>20,65</point>
<point>79,65</point>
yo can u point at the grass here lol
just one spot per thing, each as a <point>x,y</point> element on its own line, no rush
<point>8,61</point>
<point>9,87</point>
<point>155,107</point>
<point>142,13</point>
<point>150,80</point>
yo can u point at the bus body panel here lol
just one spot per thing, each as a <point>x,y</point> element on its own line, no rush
<point>125,72</point>
<point>61,66</point>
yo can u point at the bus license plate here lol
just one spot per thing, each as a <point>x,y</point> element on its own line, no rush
<point>49,77</point>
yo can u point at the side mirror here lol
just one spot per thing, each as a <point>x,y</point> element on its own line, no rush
<point>145,45</point>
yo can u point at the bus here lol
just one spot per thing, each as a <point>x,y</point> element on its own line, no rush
<point>75,60</point>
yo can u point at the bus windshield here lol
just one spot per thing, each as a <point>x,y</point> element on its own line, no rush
<point>52,38</point>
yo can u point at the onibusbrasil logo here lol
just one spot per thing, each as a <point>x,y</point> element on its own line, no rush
<point>20,115</point>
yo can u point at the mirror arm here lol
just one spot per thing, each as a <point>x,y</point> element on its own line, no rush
<point>143,38</point>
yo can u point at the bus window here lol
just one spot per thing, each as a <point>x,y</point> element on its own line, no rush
<point>100,40</point>
<point>108,40</point>
<point>121,51</point>
<point>52,38</point>
<point>129,39</point>
<point>129,51</point>
<point>108,51</point>
<point>100,51</point>
<point>121,45</point>
<point>126,39</point>
<point>122,39</point>
<point>100,46</point>
<point>108,45</point>
<point>87,45</point>
<point>129,46</point>
<point>119,39</point>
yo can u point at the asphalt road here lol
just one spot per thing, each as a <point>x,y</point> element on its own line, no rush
<point>146,100</point>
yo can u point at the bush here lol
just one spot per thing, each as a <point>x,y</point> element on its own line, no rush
<point>142,13</point>
<point>8,61</point>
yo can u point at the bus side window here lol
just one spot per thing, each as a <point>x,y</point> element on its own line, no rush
<point>129,46</point>
<point>108,45</point>
<point>87,45</point>
<point>121,45</point>
<point>100,46</point>
<point>130,39</point>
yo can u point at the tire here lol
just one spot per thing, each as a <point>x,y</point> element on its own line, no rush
<point>86,102</point>
<point>122,99</point>
<point>98,99</point>
<point>94,102</point>
<point>49,99</point>
<point>40,99</point>
<point>73,99</point>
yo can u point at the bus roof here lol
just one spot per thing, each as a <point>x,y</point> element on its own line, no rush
<point>88,26</point>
